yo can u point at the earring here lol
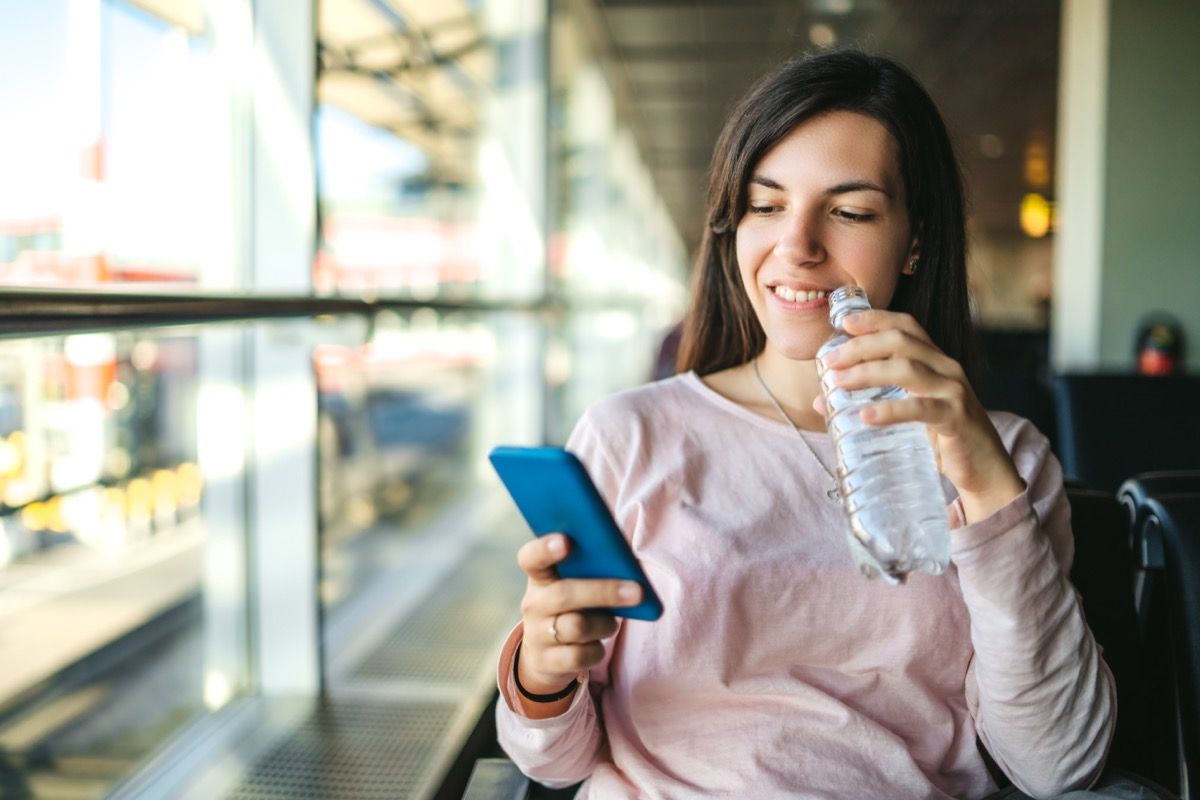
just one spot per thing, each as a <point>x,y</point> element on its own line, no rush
<point>911,268</point>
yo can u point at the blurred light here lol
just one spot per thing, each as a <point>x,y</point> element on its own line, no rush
<point>558,363</point>
<point>144,355</point>
<point>117,395</point>
<point>33,516</point>
<point>822,34</point>
<point>616,325</point>
<point>1035,215</point>
<point>217,689</point>
<point>90,349</point>
<point>17,492</point>
<point>118,462</point>
<point>10,458</point>
<point>83,512</point>
<point>141,502</point>
<point>838,7</point>
<point>991,146</point>
<point>166,494</point>
<point>6,548</point>
<point>191,484</point>
<point>221,430</point>
<point>1037,163</point>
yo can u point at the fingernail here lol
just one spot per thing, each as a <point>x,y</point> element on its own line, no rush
<point>868,414</point>
<point>629,591</point>
<point>556,544</point>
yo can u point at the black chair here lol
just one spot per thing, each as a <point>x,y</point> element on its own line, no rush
<point>1111,426</point>
<point>1172,625</point>
<point>1148,550</point>
<point>1102,572</point>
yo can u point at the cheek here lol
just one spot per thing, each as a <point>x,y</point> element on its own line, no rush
<point>748,250</point>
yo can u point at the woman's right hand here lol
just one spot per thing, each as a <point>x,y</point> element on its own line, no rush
<point>562,626</point>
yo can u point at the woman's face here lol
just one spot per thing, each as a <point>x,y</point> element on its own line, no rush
<point>825,208</point>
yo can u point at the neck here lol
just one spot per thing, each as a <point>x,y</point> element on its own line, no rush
<point>794,384</point>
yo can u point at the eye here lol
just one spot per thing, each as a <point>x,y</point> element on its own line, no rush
<point>762,208</point>
<point>853,216</point>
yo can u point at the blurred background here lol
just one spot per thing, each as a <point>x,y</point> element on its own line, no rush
<point>277,274</point>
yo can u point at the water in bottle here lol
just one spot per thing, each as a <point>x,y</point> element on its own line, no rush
<point>887,473</point>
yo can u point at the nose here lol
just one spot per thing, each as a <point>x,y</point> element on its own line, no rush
<point>799,240</point>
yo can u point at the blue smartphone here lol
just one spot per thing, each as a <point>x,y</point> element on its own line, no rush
<point>553,492</point>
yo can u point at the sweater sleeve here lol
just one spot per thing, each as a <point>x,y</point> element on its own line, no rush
<point>563,750</point>
<point>1043,701</point>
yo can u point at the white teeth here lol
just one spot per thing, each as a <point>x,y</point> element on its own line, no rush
<point>793,296</point>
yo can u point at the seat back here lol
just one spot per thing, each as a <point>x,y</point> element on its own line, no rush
<point>1176,518</point>
<point>1135,491</point>
<point>1102,573</point>
<point>1111,426</point>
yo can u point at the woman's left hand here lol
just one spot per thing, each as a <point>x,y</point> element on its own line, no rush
<point>890,348</point>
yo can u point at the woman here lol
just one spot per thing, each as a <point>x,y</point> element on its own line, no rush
<point>777,669</point>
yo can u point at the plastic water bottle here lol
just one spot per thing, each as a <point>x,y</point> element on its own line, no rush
<point>887,473</point>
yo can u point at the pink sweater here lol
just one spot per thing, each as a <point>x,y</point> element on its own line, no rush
<point>777,670</point>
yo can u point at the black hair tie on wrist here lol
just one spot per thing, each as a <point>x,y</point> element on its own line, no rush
<point>539,698</point>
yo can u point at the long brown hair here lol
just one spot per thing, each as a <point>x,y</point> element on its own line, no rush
<point>721,329</point>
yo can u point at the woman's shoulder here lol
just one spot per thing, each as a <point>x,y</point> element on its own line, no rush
<point>643,404</point>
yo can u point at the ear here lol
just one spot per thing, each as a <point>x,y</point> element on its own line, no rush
<point>914,256</point>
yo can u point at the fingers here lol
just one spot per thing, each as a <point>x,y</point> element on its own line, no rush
<point>537,557</point>
<point>913,375</point>
<point>582,594</point>
<point>567,660</point>
<point>882,335</point>
<point>934,412</point>
<point>876,320</point>
<point>581,627</point>
<point>563,618</point>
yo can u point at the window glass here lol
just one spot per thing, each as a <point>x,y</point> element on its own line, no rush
<point>405,423</point>
<point>120,624</point>
<point>419,178</point>
<point>106,144</point>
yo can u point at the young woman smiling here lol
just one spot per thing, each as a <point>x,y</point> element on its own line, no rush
<point>777,670</point>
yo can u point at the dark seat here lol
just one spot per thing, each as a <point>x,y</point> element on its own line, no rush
<point>1148,549</point>
<point>1173,624</point>
<point>1111,425</point>
<point>1102,572</point>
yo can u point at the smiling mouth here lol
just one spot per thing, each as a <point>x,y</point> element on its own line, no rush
<point>792,296</point>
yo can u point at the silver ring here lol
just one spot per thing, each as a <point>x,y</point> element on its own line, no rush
<point>554,629</point>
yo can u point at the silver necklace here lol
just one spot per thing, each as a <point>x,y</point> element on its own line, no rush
<point>833,494</point>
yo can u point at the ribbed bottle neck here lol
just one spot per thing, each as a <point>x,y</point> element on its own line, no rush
<point>844,301</point>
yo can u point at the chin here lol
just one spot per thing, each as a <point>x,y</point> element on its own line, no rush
<point>797,351</point>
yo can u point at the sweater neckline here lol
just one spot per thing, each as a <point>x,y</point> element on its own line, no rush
<point>693,382</point>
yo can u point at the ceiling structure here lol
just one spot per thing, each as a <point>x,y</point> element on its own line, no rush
<point>678,66</point>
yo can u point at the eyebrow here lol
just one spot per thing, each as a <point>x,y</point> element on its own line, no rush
<point>841,188</point>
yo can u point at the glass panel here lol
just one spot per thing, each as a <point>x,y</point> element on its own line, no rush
<point>119,627</point>
<point>405,422</point>
<point>105,144</point>
<point>611,236</point>
<point>429,148</point>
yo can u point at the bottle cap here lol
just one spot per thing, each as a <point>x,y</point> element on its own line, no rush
<point>845,300</point>
<point>845,292</point>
